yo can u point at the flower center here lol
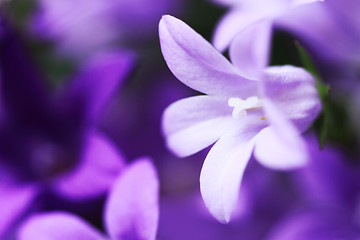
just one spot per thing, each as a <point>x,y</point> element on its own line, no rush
<point>242,106</point>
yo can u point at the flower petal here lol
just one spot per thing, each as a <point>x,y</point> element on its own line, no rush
<point>250,50</point>
<point>198,64</point>
<point>192,124</point>
<point>98,168</point>
<point>86,95</point>
<point>227,2</point>
<point>293,90</point>
<point>223,169</point>
<point>24,94</point>
<point>279,146</point>
<point>14,201</point>
<point>332,33</point>
<point>73,27</point>
<point>274,152</point>
<point>132,207</point>
<point>58,226</point>
<point>232,24</point>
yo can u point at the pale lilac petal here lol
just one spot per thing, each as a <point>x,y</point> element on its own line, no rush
<point>100,164</point>
<point>87,94</point>
<point>194,123</point>
<point>227,2</point>
<point>198,64</point>
<point>223,169</point>
<point>293,90</point>
<point>279,146</point>
<point>274,152</point>
<point>132,207</point>
<point>250,50</point>
<point>302,2</point>
<point>58,226</point>
<point>14,201</point>
<point>232,24</point>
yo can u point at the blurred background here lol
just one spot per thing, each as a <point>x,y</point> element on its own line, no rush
<point>58,39</point>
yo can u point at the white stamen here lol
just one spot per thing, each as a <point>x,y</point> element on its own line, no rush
<point>241,106</point>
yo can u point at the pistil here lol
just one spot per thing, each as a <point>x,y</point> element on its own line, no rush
<point>242,106</point>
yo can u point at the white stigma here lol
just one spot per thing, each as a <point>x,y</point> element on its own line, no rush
<point>242,106</point>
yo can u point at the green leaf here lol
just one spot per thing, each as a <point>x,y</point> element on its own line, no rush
<point>322,125</point>
<point>306,60</point>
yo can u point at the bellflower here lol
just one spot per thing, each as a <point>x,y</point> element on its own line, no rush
<point>247,107</point>
<point>51,142</point>
<point>131,211</point>
<point>243,13</point>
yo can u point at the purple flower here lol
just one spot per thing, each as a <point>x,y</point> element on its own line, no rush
<point>82,27</point>
<point>325,222</point>
<point>131,211</point>
<point>329,187</point>
<point>244,13</point>
<point>71,22</point>
<point>330,176</point>
<point>330,31</point>
<point>51,142</point>
<point>248,107</point>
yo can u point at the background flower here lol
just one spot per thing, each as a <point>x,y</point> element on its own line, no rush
<point>131,211</point>
<point>60,145</point>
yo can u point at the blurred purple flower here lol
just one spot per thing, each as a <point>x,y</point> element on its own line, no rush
<point>51,142</point>
<point>330,176</point>
<point>320,223</point>
<point>78,26</point>
<point>131,211</point>
<point>330,189</point>
<point>244,13</point>
<point>82,27</point>
<point>247,106</point>
<point>330,31</point>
